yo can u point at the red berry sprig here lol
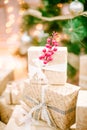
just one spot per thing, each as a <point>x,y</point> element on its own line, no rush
<point>50,48</point>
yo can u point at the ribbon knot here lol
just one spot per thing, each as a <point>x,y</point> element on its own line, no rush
<point>40,111</point>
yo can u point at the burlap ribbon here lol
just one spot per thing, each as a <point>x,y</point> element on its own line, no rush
<point>41,108</point>
<point>41,111</point>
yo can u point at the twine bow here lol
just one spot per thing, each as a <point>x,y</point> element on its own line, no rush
<point>42,111</point>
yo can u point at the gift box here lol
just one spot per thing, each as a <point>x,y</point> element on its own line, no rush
<point>2,125</point>
<point>5,110</point>
<point>81,111</point>
<point>58,101</point>
<point>6,75</point>
<point>14,91</point>
<point>54,70</point>
<point>83,72</point>
<point>73,127</point>
<point>28,125</point>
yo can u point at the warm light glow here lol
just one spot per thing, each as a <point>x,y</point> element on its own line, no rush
<point>6,1</point>
<point>8,30</point>
<point>7,61</point>
<point>10,9</point>
<point>10,23</point>
<point>60,5</point>
<point>11,16</point>
<point>21,12</point>
<point>36,33</point>
<point>11,39</point>
<point>14,36</point>
<point>39,26</point>
<point>20,1</point>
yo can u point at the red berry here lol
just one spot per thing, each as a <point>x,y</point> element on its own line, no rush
<point>49,54</point>
<point>44,50</point>
<point>41,57</point>
<point>48,40</point>
<point>53,42</point>
<point>54,49</point>
<point>50,58</point>
<point>48,46</point>
<point>45,62</point>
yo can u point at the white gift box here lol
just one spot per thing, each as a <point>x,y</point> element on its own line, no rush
<point>81,111</point>
<point>83,72</point>
<point>6,75</point>
<point>2,125</point>
<point>13,92</point>
<point>55,70</point>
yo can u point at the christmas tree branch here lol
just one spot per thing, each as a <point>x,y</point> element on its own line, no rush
<point>38,14</point>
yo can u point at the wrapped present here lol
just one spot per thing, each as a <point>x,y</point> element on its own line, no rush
<point>2,125</point>
<point>57,67</point>
<point>83,72</point>
<point>6,75</point>
<point>29,125</point>
<point>73,127</point>
<point>57,102</point>
<point>81,111</point>
<point>14,91</point>
<point>5,110</point>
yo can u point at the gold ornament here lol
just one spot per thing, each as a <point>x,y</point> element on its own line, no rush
<point>76,7</point>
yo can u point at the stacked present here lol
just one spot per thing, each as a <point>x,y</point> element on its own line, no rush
<point>6,75</point>
<point>48,101</point>
<point>10,98</point>
<point>5,110</point>
<point>2,125</point>
<point>83,72</point>
<point>13,92</point>
<point>81,111</point>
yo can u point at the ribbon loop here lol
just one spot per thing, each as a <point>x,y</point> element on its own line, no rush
<point>41,111</point>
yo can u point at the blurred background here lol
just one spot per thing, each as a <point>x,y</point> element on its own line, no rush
<point>24,23</point>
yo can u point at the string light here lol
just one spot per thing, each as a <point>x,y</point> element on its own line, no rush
<point>21,1</point>
<point>60,5</point>
<point>8,24</point>
<point>11,16</point>
<point>8,30</point>
<point>39,26</point>
<point>10,9</point>
<point>6,1</point>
